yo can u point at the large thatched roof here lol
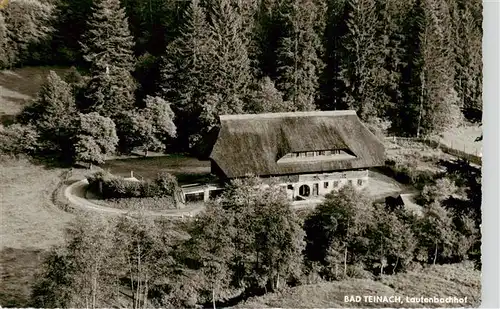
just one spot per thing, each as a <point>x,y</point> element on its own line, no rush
<point>253,143</point>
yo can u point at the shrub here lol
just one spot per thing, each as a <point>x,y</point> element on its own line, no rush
<point>17,139</point>
<point>166,183</point>
<point>358,271</point>
<point>110,186</point>
<point>409,174</point>
<point>440,190</point>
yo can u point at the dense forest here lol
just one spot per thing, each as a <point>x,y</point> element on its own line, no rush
<point>161,71</point>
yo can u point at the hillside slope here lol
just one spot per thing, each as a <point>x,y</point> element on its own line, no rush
<point>19,86</point>
<point>29,224</point>
<point>458,280</point>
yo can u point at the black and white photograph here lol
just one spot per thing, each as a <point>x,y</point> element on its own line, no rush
<point>242,153</point>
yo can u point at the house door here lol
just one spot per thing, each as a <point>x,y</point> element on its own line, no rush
<point>315,189</point>
<point>304,190</point>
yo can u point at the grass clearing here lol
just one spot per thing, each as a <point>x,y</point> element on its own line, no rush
<point>29,218</point>
<point>459,280</point>
<point>30,224</point>
<point>463,138</point>
<point>19,86</point>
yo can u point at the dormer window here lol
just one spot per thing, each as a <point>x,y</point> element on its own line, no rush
<point>319,155</point>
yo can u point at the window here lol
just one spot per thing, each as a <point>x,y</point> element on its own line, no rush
<point>290,187</point>
<point>360,182</point>
<point>335,184</point>
<point>313,155</point>
<point>194,197</point>
<point>325,185</point>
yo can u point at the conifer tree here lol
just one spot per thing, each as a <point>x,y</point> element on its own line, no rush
<point>229,65</point>
<point>184,71</point>
<point>430,102</point>
<point>207,72</point>
<point>362,70</point>
<point>392,14</point>
<point>107,47</point>
<point>406,111</point>
<point>468,81</point>
<point>267,34</point>
<point>438,98</point>
<point>266,98</point>
<point>299,53</point>
<point>331,86</point>
<point>53,114</point>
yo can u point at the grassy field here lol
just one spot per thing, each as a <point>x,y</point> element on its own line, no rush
<point>459,280</point>
<point>30,224</point>
<point>186,169</point>
<point>463,138</point>
<point>19,86</point>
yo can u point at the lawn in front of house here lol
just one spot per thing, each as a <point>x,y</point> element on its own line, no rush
<point>187,169</point>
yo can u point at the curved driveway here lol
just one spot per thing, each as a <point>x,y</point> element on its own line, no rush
<point>381,186</point>
<point>75,193</point>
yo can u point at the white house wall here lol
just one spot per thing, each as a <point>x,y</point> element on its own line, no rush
<point>335,181</point>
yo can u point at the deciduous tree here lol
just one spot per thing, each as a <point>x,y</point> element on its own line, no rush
<point>435,234</point>
<point>392,242</point>
<point>213,248</point>
<point>82,272</point>
<point>27,23</point>
<point>150,127</point>
<point>145,257</point>
<point>95,138</point>
<point>343,217</point>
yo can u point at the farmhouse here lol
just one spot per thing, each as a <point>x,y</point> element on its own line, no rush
<point>309,153</point>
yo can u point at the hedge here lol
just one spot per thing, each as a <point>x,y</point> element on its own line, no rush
<point>110,186</point>
<point>407,174</point>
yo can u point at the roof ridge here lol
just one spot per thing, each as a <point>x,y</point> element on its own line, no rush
<point>288,115</point>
